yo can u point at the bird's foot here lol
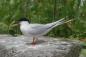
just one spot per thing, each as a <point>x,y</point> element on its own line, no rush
<point>33,43</point>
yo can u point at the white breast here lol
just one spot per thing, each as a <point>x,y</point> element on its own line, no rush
<point>24,27</point>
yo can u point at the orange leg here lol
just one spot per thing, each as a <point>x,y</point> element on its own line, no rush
<point>34,41</point>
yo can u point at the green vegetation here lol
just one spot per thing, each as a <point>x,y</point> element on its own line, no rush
<point>83,53</point>
<point>45,11</point>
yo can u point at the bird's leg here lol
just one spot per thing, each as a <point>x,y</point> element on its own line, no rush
<point>34,41</point>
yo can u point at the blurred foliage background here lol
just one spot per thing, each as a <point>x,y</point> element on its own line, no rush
<point>45,11</point>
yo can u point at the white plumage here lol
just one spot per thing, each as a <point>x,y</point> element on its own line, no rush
<point>38,29</point>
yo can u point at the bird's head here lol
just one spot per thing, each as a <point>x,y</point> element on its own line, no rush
<point>23,21</point>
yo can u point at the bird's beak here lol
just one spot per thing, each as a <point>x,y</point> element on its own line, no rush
<point>15,25</point>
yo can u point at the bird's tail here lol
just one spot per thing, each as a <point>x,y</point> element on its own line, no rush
<point>59,22</point>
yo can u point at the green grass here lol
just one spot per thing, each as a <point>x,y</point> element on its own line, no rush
<point>83,53</point>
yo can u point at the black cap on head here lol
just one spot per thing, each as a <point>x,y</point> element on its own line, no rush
<point>24,19</point>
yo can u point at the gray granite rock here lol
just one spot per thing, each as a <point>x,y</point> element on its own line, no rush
<point>46,47</point>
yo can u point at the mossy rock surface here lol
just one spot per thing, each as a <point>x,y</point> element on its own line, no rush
<point>45,47</point>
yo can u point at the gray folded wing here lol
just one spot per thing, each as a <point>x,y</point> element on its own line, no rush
<point>38,29</point>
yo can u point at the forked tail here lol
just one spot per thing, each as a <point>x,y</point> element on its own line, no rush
<point>58,22</point>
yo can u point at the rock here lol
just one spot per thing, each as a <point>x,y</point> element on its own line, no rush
<point>46,47</point>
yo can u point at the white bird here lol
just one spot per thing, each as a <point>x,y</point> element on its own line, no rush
<point>37,30</point>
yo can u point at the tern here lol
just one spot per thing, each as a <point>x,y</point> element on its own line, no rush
<point>36,30</point>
